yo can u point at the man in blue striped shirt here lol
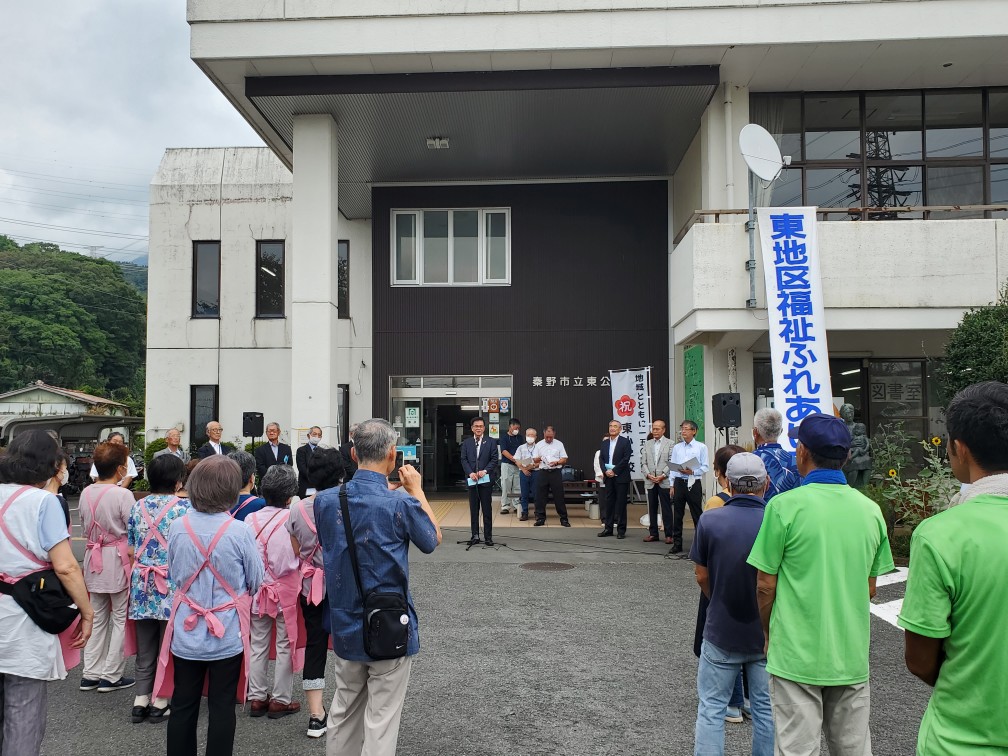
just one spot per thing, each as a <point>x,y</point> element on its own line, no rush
<point>781,467</point>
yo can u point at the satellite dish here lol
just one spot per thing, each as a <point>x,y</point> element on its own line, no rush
<point>760,151</point>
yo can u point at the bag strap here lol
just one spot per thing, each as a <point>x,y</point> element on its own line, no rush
<point>10,536</point>
<point>351,546</point>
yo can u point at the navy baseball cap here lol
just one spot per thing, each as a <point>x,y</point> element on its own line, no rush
<point>825,435</point>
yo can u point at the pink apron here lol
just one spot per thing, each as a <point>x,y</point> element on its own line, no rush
<point>95,545</point>
<point>71,656</point>
<point>159,573</point>
<point>249,500</point>
<point>164,681</point>
<point>280,595</point>
<point>308,569</point>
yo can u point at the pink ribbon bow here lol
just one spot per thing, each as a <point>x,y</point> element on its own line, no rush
<point>269,600</point>
<point>160,573</point>
<point>317,577</point>
<point>97,564</point>
<point>214,625</point>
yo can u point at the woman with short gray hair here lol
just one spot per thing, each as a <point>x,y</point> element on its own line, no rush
<point>275,606</point>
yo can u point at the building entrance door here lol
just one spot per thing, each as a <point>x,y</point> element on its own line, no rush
<point>432,415</point>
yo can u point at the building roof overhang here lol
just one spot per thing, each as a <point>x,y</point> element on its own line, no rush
<point>500,125</point>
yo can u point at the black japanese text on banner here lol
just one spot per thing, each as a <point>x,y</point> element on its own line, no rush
<point>631,402</point>
<point>797,323</point>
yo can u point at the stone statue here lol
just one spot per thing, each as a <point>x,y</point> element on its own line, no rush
<point>847,415</point>
<point>859,464</point>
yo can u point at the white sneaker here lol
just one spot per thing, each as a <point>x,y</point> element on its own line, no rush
<point>733,714</point>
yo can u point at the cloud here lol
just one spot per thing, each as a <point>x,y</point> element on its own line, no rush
<point>93,94</point>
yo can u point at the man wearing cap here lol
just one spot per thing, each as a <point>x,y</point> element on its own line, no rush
<point>818,552</point>
<point>733,634</point>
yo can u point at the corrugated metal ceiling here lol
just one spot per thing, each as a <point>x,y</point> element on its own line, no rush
<point>567,133</point>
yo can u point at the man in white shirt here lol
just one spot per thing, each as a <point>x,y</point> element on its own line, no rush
<point>551,456</point>
<point>173,439</point>
<point>529,475</point>
<point>117,438</point>
<point>686,486</point>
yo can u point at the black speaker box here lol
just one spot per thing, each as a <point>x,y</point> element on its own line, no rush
<point>727,410</point>
<point>252,424</point>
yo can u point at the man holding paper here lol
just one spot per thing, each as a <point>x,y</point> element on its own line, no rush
<point>614,456</point>
<point>480,461</point>
<point>687,463</point>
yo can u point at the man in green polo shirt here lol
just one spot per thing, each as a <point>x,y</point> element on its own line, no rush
<point>955,611</point>
<point>818,552</point>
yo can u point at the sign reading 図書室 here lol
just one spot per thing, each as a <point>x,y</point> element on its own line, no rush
<point>797,323</point>
<point>631,403</point>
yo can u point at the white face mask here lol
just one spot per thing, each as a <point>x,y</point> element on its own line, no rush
<point>64,477</point>
<point>529,439</point>
<point>314,440</point>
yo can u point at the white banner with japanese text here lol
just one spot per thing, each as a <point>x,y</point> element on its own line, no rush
<point>631,401</point>
<point>797,323</point>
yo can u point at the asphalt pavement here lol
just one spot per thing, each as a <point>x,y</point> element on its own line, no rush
<point>560,643</point>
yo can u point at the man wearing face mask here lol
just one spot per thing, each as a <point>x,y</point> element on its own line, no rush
<point>523,458</point>
<point>303,456</point>
<point>509,470</point>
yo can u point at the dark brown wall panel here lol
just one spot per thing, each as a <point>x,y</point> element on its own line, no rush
<point>588,294</point>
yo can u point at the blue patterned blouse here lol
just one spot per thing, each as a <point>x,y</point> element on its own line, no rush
<point>146,599</point>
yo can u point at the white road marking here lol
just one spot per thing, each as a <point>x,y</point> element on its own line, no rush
<point>899,576</point>
<point>890,610</point>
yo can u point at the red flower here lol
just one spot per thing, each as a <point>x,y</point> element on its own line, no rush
<point>624,406</point>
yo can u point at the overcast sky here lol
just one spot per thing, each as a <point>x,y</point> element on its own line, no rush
<point>92,94</point>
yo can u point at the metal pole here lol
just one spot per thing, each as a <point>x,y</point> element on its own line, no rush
<point>751,229</point>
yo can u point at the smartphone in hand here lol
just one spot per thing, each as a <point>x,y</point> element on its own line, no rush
<point>394,476</point>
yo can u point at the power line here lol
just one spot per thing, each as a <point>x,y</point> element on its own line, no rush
<point>94,197</point>
<point>76,165</point>
<point>111,185</point>
<point>35,239</point>
<point>75,229</point>
<point>67,209</point>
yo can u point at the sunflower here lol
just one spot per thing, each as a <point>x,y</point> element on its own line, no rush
<point>892,473</point>
<point>936,441</point>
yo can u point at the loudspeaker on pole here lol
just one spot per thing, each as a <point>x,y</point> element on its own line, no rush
<point>252,424</point>
<point>726,410</point>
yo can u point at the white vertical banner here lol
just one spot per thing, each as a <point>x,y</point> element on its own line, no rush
<point>797,323</point>
<point>631,403</point>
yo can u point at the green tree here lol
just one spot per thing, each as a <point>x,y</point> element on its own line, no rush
<point>978,348</point>
<point>69,320</point>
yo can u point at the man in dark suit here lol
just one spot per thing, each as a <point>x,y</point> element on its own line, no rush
<point>614,458</point>
<point>349,466</point>
<point>480,460</point>
<point>303,455</point>
<point>273,452</point>
<point>214,431</point>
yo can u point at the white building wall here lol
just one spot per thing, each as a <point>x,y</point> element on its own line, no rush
<point>236,196</point>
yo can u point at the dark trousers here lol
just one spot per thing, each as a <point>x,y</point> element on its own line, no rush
<point>657,495</point>
<point>221,690</point>
<point>480,497</point>
<point>681,496</point>
<point>317,640</point>
<point>528,487</point>
<point>550,482</point>
<point>616,502</point>
<point>149,633</point>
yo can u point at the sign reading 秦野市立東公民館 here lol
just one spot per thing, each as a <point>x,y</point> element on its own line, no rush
<point>797,323</point>
<point>631,403</point>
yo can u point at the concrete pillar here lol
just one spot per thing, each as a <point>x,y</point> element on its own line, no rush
<point>313,261</point>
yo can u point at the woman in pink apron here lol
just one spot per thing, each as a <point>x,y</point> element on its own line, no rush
<point>104,510</point>
<point>325,470</point>
<point>33,536</point>
<point>275,615</point>
<point>150,591</point>
<point>213,560</point>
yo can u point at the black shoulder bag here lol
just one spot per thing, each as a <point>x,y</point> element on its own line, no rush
<point>386,614</point>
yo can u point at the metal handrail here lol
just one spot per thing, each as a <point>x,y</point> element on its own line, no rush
<point>698,215</point>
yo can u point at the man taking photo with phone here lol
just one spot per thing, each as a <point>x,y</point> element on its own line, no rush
<point>367,704</point>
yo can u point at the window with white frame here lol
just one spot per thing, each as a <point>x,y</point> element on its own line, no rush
<point>464,247</point>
